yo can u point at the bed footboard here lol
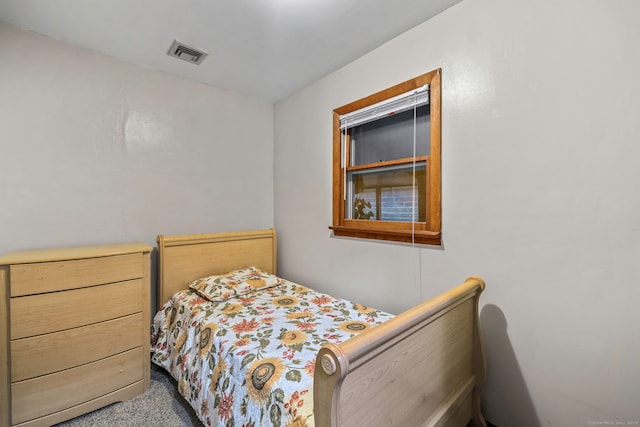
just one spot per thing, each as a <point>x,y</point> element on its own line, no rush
<point>424,367</point>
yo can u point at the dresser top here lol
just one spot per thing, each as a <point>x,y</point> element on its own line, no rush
<point>77,252</point>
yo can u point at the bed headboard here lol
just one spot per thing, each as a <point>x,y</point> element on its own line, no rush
<point>183,259</point>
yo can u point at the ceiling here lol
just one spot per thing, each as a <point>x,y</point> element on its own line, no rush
<point>267,49</point>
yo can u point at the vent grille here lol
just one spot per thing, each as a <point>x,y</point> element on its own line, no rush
<point>186,53</point>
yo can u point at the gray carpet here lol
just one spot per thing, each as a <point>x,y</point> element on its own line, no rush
<point>161,405</point>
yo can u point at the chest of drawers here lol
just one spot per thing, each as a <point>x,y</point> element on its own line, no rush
<point>74,331</point>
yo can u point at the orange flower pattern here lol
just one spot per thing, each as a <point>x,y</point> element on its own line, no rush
<point>250,360</point>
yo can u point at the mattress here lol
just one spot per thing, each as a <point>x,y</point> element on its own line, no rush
<point>248,358</point>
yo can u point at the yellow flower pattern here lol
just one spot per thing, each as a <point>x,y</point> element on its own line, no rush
<point>292,337</point>
<point>206,338</point>
<point>300,315</point>
<point>261,376</point>
<point>285,301</point>
<point>231,308</point>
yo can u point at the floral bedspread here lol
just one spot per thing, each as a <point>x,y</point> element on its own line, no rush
<point>249,360</point>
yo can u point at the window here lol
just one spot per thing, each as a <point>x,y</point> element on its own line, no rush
<point>386,164</point>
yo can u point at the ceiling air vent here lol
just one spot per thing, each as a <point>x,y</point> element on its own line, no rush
<point>186,53</point>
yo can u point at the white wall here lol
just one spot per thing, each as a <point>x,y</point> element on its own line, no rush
<point>94,150</point>
<point>541,197</point>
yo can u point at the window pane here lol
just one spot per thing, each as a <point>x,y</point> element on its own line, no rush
<point>388,194</point>
<point>391,138</point>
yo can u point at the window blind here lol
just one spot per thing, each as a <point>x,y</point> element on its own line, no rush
<point>397,104</point>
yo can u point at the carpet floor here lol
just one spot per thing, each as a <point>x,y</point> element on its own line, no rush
<point>161,405</point>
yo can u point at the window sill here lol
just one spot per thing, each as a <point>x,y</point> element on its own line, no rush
<point>418,236</point>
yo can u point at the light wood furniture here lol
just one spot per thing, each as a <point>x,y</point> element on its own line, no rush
<point>424,367</point>
<point>74,331</point>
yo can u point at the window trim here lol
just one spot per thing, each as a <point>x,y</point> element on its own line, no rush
<point>428,232</point>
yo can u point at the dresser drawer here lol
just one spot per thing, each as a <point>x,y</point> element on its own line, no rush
<point>76,330</point>
<point>45,313</point>
<point>45,354</point>
<point>35,278</point>
<point>55,392</point>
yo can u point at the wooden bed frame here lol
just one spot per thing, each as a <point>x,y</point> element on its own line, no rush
<point>424,367</point>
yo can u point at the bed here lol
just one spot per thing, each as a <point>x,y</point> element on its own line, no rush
<point>316,359</point>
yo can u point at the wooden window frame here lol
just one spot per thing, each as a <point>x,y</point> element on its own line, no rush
<point>428,232</point>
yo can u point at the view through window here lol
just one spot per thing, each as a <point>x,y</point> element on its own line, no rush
<point>386,157</point>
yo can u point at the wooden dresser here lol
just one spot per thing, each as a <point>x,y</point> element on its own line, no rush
<point>74,332</point>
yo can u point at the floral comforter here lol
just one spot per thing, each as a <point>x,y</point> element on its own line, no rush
<point>249,360</point>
